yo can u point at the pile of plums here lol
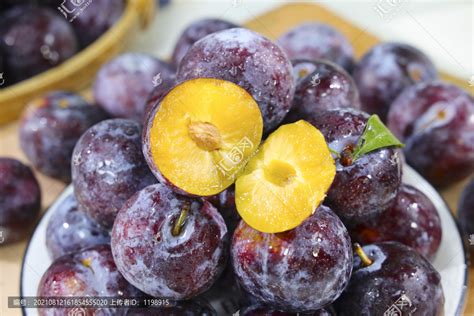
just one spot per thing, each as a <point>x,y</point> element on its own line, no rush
<point>129,229</point>
<point>36,35</point>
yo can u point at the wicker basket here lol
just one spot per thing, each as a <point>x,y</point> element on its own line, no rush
<point>77,72</point>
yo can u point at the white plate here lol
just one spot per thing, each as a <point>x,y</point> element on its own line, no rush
<point>451,260</point>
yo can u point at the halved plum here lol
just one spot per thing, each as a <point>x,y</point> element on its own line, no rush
<point>201,135</point>
<point>286,180</point>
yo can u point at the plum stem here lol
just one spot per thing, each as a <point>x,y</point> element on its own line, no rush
<point>334,152</point>
<point>366,261</point>
<point>87,263</point>
<point>346,156</point>
<point>181,220</point>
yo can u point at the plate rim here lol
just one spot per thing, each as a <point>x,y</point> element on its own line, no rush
<point>459,309</point>
<point>40,220</point>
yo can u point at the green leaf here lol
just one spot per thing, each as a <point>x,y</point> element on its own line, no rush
<point>376,135</point>
<point>334,152</point>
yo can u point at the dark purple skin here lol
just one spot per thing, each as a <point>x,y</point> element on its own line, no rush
<point>123,85</point>
<point>396,270</point>
<point>260,310</point>
<point>412,220</point>
<point>146,149</point>
<point>150,114</point>
<point>95,19</point>
<point>53,3</point>
<point>318,41</point>
<point>159,263</point>
<point>90,272</point>
<point>34,39</point>
<point>6,4</point>
<point>435,120</point>
<point>226,292</point>
<point>250,60</point>
<point>327,87</point>
<point>50,128</point>
<point>363,187</point>
<point>225,204</point>
<point>108,167</point>
<point>70,230</point>
<point>466,213</point>
<point>385,71</point>
<point>156,95</point>
<point>20,200</point>
<point>300,270</point>
<point>194,32</point>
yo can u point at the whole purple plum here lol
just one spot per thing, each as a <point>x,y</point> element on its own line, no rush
<point>300,270</point>
<point>34,39</point>
<point>436,122</point>
<point>412,220</point>
<point>327,87</point>
<point>94,19</point>
<point>194,32</point>
<point>108,167</point>
<point>392,274</point>
<point>50,127</point>
<point>250,60</point>
<point>123,85</point>
<point>385,71</point>
<point>90,272</point>
<point>318,41</point>
<point>70,230</point>
<point>20,200</point>
<point>169,245</point>
<point>367,185</point>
